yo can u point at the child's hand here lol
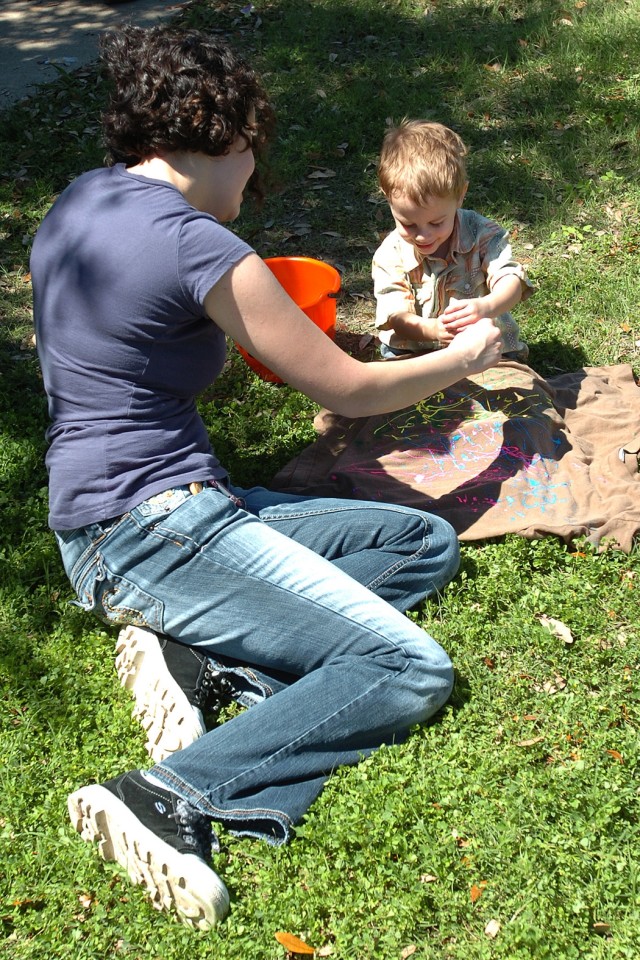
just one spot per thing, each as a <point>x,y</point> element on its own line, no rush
<point>434,328</point>
<point>462,313</point>
<point>411,327</point>
<point>480,345</point>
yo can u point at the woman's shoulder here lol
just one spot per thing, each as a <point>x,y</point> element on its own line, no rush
<point>199,230</point>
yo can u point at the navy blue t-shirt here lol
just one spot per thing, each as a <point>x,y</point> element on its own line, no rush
<point>120,267</point>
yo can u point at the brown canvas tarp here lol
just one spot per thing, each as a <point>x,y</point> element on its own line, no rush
<point>503,452</point>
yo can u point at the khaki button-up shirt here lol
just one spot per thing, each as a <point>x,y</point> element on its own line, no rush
<point>479,255</point>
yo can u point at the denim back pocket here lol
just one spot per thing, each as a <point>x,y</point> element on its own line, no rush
<point>115,599</point>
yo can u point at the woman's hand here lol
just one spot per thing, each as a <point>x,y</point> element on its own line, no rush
<point>480,345</point>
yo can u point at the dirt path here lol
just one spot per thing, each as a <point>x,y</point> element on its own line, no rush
<point>37,38</point>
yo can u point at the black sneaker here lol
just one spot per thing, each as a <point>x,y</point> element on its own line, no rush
<point>160,840</point>
<point>173,686</point>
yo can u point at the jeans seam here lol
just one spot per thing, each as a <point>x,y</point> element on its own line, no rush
<point>321,512</point>
<point>399,564</point>
<point>383,577</point>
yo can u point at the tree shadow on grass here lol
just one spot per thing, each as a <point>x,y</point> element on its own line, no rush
<point>554,356</point>
<point>353,65</point>
<point>348,67</point>
<point>337,71</point>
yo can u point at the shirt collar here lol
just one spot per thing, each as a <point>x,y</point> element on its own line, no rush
<point>464,237</point>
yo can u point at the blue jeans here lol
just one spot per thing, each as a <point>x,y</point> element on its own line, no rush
<point>302,601</point>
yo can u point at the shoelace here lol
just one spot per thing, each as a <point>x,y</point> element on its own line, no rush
<point>215,691</point>
<point>194,829</point>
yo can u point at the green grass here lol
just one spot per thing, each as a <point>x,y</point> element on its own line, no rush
<point>519,803</point>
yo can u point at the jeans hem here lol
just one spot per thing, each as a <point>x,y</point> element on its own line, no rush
<point>227,817</point>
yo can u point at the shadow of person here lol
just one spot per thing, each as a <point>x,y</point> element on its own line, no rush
<point>552,357</point>
<point>487,442</point>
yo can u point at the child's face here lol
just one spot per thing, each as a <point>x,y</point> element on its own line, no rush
<point>427,226</point>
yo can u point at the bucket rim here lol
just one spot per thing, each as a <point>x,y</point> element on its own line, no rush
<point>335,274</point>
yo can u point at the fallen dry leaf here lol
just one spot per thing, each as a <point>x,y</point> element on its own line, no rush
<point>557,628</point>
<point>552,687</point>
<point>476,890</point>
<point>322,174</point>
<point>492,929</point>
<point>27,904</point>
<point>408,951</point>
<point>428,878</point>
<point>616,755</point>
<point>460,840</point>
<point>529,743</point>
<point>293,944</point>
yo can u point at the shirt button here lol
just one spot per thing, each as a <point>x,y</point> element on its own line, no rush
<point>467,286</point>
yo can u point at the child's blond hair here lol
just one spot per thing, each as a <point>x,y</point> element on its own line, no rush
<point>422,160</point>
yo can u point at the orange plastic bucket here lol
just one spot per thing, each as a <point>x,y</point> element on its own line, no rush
<point>310,283</point>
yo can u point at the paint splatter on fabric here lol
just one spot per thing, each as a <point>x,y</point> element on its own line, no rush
<point>503,452</point>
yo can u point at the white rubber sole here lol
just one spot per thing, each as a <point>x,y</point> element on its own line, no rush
<point>174,881</point>
<point>170,722</point>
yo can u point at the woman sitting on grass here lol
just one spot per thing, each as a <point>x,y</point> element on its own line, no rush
<point>136,283</point>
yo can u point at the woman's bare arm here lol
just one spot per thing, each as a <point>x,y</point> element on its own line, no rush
<point>251,307</point>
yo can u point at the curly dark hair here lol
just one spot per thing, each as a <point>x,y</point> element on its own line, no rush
<point>176,90</point>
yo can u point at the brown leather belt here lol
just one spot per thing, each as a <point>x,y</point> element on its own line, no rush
<point>196,486</point>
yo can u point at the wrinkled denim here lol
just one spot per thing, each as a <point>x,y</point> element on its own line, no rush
<point>301,601</point>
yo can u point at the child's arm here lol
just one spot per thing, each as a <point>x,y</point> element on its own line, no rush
<point>393,291</point>
<point>506,293</point>
<point>506,281</point>
<point>409,326</point>
<point>395,296</point>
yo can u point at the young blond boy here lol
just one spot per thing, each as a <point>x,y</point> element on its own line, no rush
<point>443,267</point>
